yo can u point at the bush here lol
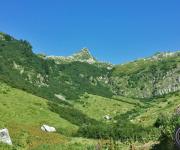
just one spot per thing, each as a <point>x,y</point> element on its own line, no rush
<point>162,120</point>
<point>86,95</point>
<point>168,126</point>
<point>4,89</point>
<point>97,131</point>
<point>71,114</point>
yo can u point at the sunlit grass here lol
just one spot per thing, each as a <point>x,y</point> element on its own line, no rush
<point>23,114</point>
<point>97,107</point>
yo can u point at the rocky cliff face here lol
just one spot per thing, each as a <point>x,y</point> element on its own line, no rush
<point>82,56</point>
<point>146,78</point>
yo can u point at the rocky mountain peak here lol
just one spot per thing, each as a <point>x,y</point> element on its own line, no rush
<point>85,50</point>
<point>84,54</point>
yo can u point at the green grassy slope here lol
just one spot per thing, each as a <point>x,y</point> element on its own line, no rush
<point>146,78</point>
<point>29,112</point>
<point>23,114</point>
<point>166,106</point>
<point>78,95</point>
<point>97,107</point>
<point>43,77</point>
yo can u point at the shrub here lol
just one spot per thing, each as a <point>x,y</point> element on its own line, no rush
<point>86,95</point>
<point>168,126</point>
<point>161,121</point>
<point>4,89</point>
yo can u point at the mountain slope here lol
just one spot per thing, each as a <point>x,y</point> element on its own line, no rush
<point>23,114</point>
<point>78,93</point>
<point>147,78</point>
<point>45,78</point>
<point>74,75</point>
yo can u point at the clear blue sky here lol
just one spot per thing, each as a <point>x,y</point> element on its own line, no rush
<point>116,31</point>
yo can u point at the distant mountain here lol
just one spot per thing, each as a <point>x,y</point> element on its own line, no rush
<point>44,77</point>
<point>146,78</point>
<point>49,76</point>
<point>82,56</point>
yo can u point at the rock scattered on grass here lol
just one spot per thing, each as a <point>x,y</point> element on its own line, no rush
<point>4,136</point>
<point>47,128</point>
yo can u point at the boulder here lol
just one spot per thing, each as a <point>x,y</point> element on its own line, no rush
<point>4,136</point>
<point>61,97</point>
<point>48,128</point>
<point>107,117</point>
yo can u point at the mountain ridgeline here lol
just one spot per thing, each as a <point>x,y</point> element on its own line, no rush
<point>44,77</point>
<point>147,78</point>
<point>67,78</point>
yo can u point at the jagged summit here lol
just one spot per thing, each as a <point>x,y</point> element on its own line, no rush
<point>85,51</point>
<point>83,55</point>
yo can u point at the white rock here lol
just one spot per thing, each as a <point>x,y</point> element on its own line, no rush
<point>48,128</point>
<point>4,136</point>
<point>90,61</point>
<point>59,96</point>
<point>109,68</point>
<point>107,117</point>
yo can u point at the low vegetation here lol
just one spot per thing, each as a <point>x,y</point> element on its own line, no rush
<point>92,105</point>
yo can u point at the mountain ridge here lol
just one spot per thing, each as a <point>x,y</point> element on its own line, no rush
<point>143,78</point>
<point>83,55</point>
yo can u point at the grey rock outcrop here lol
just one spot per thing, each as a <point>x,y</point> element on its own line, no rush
<point>4,136</point>
<point>107,117</point>
<point>48,128</point>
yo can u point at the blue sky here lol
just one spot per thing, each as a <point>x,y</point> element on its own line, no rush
<point>115,31</point>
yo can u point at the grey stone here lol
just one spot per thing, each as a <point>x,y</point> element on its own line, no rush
<point>48,128</point>
<point>4,136</point>
<point>107,117</point>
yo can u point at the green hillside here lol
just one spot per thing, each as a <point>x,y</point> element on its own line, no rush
<point>146,78</point>
<point>97,107</point>
<point>43,77</point>
<point>90,103</point>
<point>23,114</point>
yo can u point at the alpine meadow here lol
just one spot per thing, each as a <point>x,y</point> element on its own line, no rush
<point>92,105</point>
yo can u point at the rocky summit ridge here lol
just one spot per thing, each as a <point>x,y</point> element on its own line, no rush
<point>83,55</point>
